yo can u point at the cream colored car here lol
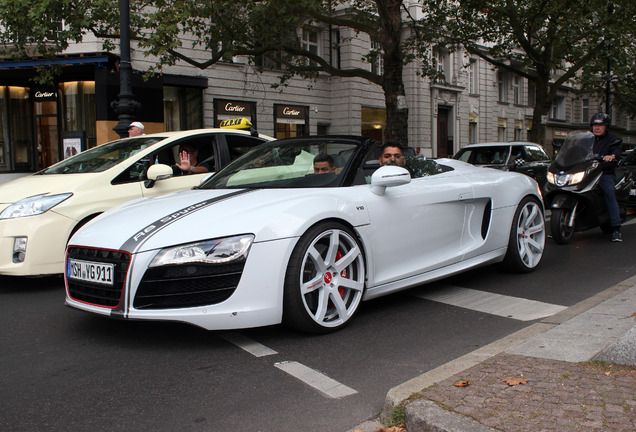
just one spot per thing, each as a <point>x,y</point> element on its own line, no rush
<point>40,212</point>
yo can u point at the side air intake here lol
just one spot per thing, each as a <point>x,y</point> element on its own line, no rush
<point>485,220</point>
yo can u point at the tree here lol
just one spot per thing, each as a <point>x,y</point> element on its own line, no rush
<point>223,29</point>
<point>612,72</point>
<point>45,28</point>
<point>549,42</point>
<point>229,28</point>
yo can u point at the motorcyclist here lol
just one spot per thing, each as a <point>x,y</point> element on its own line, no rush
<point>608,146</point>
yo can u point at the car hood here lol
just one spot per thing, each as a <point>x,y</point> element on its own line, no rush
<point>37,184</point>
<point>193,215</point>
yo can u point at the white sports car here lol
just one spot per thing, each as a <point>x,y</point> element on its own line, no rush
<point>266,240</point>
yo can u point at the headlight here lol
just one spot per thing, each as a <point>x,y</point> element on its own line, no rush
<point>550,177</point>
<point>565,179</point>
<point>34,205</point>
<point>215,251</point>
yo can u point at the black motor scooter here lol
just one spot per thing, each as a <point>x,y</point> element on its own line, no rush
<point>572,192</point>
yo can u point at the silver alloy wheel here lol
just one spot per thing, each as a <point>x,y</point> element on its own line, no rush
<point>530,234</point>
<point>332,278</point>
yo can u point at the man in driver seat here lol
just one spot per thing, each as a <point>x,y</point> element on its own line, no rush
<point>324,164</point>
<point>188,160</point>
<point>392,153</point>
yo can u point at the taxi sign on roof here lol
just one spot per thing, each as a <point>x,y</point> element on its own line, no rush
<point>236,123</point>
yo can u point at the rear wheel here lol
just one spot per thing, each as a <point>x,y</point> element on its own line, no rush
<point>561,231</point>
<point>325,278</point>
<point>527,237</point>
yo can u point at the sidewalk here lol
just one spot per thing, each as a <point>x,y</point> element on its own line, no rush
<point>571,362</point>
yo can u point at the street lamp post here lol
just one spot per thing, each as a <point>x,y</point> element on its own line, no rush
<point>125,106</point>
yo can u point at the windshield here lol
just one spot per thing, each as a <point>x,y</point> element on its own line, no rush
<point>577,148</point>
<point>286,164</point>
<point>102,157</point>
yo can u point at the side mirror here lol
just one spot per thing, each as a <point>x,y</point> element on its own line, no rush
<point>388,176</point>
<point>157,172</point>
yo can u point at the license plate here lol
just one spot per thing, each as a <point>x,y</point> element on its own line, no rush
<point>90,271</point>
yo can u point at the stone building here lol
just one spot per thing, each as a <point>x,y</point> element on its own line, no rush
<point>476,104</point>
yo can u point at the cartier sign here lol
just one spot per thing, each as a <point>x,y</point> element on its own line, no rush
<point>291,111</point>
<point>43,94</point>
<point>230,107</point>
<point>234,107</point>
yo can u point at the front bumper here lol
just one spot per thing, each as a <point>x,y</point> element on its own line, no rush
<point>257,300</point>
<point>46,235</point>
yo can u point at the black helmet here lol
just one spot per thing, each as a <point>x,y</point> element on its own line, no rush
<point>600,118</point>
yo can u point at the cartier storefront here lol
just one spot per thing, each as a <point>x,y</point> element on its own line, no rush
<point>291,120</point>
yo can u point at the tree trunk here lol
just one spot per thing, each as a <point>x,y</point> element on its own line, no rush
<point>397,112</point>
<point>541,108</point>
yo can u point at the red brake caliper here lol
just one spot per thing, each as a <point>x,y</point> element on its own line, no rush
<point>343,274</point>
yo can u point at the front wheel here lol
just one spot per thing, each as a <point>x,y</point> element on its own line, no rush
<point>527,237</point>
<point>560,228</point>
<point>325,279</point>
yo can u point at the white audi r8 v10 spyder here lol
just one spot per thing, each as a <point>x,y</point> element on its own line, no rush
<point>268,240</point>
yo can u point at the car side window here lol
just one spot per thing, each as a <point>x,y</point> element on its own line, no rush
<point>136,172</point>
<point>518,154</point>
<point>238,145</point>
<point>535,154</point>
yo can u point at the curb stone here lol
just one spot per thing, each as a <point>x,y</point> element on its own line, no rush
<point>423,415</point>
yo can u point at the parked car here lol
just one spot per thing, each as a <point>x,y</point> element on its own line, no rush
<point>626,172</point>
<point>524,157</point>
<point>40,212</point>
<point>266,240</point>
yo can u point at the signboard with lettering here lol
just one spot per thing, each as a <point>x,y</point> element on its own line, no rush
<point>43,94</point>
<point>73,142</point>
<point>232,109</point>
<point>292,114</point>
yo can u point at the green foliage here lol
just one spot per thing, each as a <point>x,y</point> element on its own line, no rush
<point>535,38</point>
<point>34,28</point>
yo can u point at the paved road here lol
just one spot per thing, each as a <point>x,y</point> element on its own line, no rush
<point>67,370</point>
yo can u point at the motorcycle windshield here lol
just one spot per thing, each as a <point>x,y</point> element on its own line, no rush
<point>577,148</point>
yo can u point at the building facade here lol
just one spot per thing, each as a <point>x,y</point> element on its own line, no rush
<point>40,125</point>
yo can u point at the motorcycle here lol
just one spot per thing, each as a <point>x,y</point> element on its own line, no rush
<point>572,192</point>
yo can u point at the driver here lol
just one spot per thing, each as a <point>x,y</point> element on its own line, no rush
<point>608,146</point>
<point>188,160</point>
<point>392,153</point>
<point>324,164</point>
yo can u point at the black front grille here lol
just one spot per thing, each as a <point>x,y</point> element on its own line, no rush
<point>99,294</point>
<point>182,286</point>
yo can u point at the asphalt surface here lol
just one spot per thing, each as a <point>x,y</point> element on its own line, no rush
<point>575,370</point>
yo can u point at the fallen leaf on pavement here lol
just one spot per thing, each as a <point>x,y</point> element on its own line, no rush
<point>462,384</point>
<point>608,373</point>
<point>392,429</point>
<point>513,381</point>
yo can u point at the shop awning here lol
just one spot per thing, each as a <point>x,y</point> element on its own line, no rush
<point>57,61</point>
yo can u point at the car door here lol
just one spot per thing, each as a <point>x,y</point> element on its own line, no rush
<point>418,227</point>
<point>626,178</point>
<point>531,161</point>
<point>206,147</point>
<point>232,146</point>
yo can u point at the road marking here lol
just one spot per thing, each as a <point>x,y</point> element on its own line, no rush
<point>495,304</point>
<point>315,379</point>
<point>247,344</point>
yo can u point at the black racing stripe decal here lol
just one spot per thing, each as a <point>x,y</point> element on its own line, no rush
<point>140,237</point>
